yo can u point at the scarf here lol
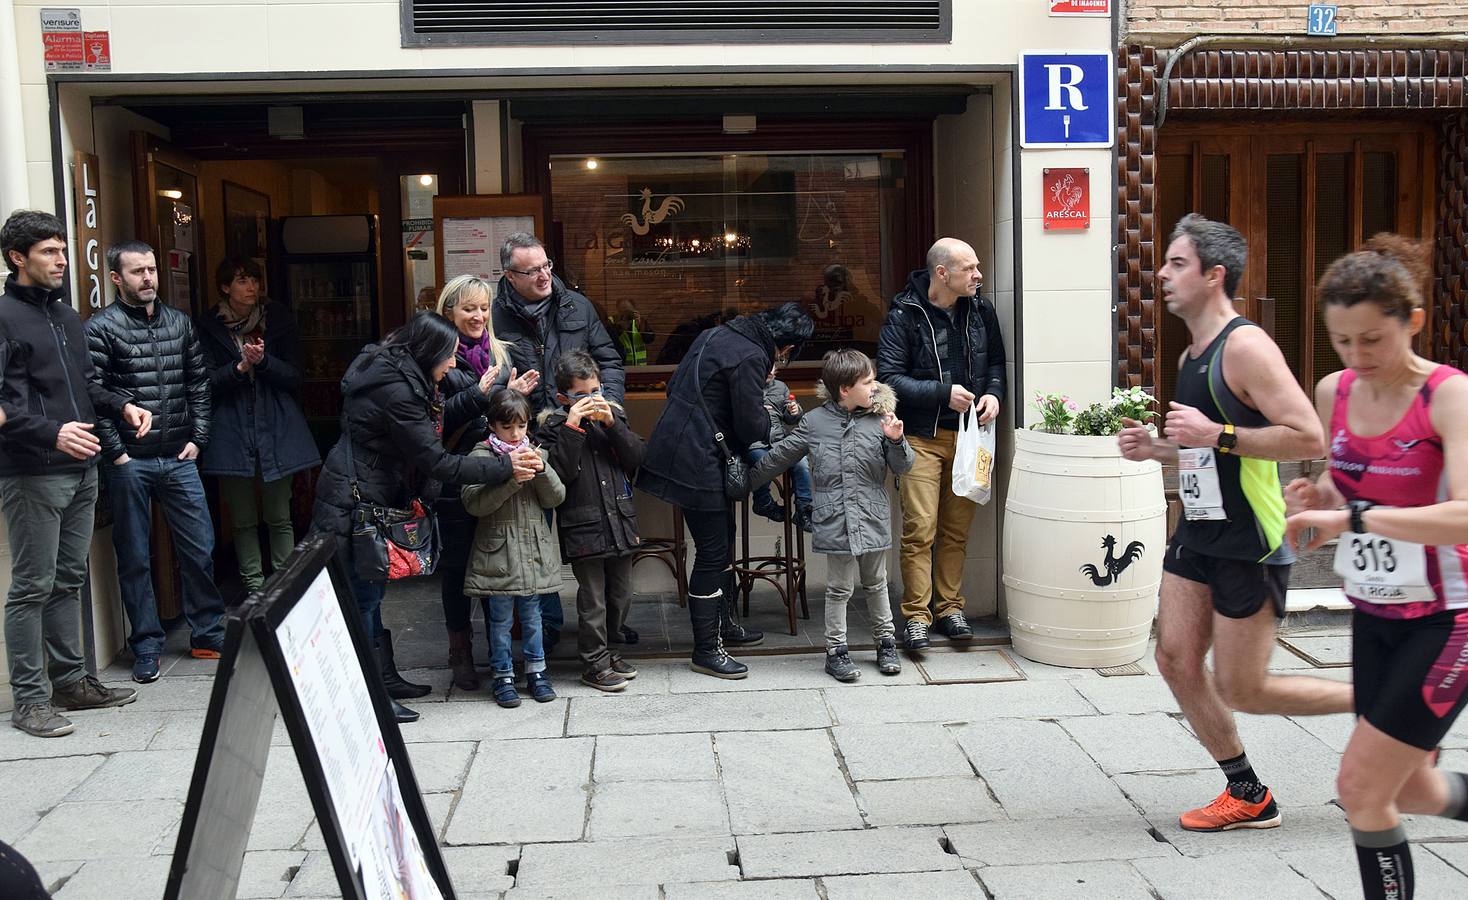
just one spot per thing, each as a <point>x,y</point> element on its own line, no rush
<point>241,328</point>
<point>503,448</point>
<point>477,353</point>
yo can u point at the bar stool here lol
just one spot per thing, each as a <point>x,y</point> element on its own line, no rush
<point>786,570</point>
<point>671,552</point>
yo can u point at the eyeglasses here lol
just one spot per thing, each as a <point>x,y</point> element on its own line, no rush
<point>531,273</point>
<point>578,396</point>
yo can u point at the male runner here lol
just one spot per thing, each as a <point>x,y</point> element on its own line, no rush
<point>1238,410</point>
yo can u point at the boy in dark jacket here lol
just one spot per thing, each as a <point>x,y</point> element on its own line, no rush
<point>595,453</point>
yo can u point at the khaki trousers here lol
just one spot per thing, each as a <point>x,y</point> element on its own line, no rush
<point>935,526</point>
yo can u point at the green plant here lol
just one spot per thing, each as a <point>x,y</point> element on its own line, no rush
<point>1061,415</point>
<point>1056,411</point>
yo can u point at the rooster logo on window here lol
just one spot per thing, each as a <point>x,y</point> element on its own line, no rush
<point>671,206</point>
<point>1113,565</point>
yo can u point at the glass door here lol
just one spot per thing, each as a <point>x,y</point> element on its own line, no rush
<point>166,205</point>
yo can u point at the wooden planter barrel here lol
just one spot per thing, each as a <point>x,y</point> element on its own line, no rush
<point>1084,535</point>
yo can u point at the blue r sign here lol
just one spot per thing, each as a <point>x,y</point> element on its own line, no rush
<point>1066,99</point>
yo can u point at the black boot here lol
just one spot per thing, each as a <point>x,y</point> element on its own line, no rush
<point>397,688</point>
<point>402,714</point>
<point>709,657</point>
<point>735,633</point>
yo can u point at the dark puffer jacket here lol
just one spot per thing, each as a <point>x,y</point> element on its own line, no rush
<point>572,325</point>
<point>156,362</point>
<point>464,427</point>
<point>596,463</point>
<point>907,356</point>
<point>258,423</point>
<point>398,451</point>
<point>683,465</point>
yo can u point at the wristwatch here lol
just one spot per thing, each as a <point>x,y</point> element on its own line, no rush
<point>1358,509</point>
<point>1227,440</point>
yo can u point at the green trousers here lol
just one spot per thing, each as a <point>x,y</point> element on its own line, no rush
<point>245,515</point>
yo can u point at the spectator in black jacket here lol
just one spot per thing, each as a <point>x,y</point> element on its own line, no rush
<point>719,386</point>
<point>48,477</point>
<point>147,350</point>
<point>260,437</point>
<point>393,413</point>
<point>941,351</point>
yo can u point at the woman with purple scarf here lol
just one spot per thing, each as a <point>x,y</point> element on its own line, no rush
<point>483,368</point>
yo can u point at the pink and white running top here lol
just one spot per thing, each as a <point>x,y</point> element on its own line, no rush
<point>1401,467</point>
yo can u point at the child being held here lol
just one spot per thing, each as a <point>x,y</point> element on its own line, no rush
<point>852,440</point>
<point>515,558</point>
<point>785,414</point>
<point>590,446</point>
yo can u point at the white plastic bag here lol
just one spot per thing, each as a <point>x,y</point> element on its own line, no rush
<point>973,463</point>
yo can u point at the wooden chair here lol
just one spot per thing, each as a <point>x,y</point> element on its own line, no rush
<point>784,571</point>
<point>671,552</point>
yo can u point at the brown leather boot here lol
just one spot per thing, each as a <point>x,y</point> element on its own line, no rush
<point>461,660</point>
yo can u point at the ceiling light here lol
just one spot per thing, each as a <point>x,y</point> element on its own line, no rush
<point>425,180</point>
<point>592,164</point>
<point>172,195</point>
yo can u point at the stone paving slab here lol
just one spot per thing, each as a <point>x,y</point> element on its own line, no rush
<point>152,775</point>
<point>441,767</point>
<point>442,722</point>
<point>112,830</point>
<point>783,889</point>
<point>663,757</point>
<point>630,809</point>
<point>1163,796</point>
<point>1114,880</point>
<point>284,811</point>
<point>606,892</point>
<point>972,665</point>
<point>267,874</point>
<point>1055,841</point>
<point>97,731</point>
<point>480,869</point>
<point>959,702</point>
<point>879,752</point>
<point>30,787</point>
<point>1037,771</point>
<point>1431,828</point>
<point>1333,731</point>
<point>864,852</point>
<point>140,878</point>
<point>927,801</point>
<point>55,873</point>
<point>316,878</point>
<point>1127,694</point>
<point>1152,742</point>
<point>1334,870</point>
<point>951,885</point>
<point>522,791</point>
<point>1302,828</point>
<point>664,714</point>
<point>791,672</point>
<point>1455,855</point>
<point>649,861</point>
<point>784,781</point>
<point>191,692</point>
<point>1228,876</point>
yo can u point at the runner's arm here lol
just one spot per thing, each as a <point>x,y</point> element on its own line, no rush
<point>1269,386</point>
<point>1324,408</point>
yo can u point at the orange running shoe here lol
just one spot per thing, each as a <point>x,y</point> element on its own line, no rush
<point>1231,810</point>
<point>205,653</point>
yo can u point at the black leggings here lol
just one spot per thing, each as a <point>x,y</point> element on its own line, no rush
<point>713,549</point>
<point>457,533</point>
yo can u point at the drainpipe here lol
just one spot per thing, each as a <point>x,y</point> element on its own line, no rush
<point>14,183</point>
<point>1289,42</point>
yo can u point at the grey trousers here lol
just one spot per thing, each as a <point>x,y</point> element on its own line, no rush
<point>50,522</point>
<point>841,575</point>
<point>603,596</point>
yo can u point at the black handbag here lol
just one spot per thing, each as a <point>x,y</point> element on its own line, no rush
<point>390,543</point>
<point>736,470</point>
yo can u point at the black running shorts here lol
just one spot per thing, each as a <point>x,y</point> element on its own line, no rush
<point>1239,587</point>
<point>1411,675</point>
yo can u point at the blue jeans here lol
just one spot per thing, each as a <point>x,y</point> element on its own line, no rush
<point>799,478</point>
<point>175,485</point>
<point>502,611</point>
<point>369,596</point>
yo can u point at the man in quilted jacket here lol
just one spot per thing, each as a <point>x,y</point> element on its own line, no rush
<point>147,351</point>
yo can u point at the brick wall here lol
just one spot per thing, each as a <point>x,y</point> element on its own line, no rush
<point>1168,22</point>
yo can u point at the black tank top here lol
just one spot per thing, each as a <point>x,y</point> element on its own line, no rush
<point>1253,501</point>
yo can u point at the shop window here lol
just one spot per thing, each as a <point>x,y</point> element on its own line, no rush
<point>670,245</point>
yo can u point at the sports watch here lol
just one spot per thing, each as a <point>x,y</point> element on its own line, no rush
<point>1227,440</point>
<point>1358,509</point>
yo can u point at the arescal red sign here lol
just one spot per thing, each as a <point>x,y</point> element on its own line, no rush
<point>1080,7</point>
<point>1067,202</point>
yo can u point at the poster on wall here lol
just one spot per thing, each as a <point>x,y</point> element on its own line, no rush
<point>1096,8</point>
<point>97,51</point>
<point>471,246</point>
<point>62,40</point>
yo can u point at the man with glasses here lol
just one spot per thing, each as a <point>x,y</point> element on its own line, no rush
<point>540,318</point>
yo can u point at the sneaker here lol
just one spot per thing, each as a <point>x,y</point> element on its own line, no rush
<point>89,693</point>
<point>1232,810</point>
<point>540,687</point>
<point>623,667</point>
<point>145,668</point>
<point>917,635</point>
<point>954,627</point>
<point>603,679</point>
<point>887,661</point>
<point>41,720</point>
<point>839,665</point>
<point>211,652</point>
<point>504,691</point>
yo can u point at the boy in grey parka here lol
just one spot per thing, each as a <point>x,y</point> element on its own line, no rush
<point>851,440</point>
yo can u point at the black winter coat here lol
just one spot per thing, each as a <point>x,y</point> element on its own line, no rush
<point>398,451</point>
<point>463,415</point>
<point>907,356</point>
<point>683,465</point>
<point>572,324</point>
<point>258,422</point>
<point>157,362</point>
<point>47,381</point>
<point>596,463</point>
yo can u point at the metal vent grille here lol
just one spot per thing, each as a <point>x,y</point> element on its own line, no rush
<point>670,21</point>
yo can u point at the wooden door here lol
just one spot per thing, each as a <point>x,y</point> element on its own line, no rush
<point>166,215</point>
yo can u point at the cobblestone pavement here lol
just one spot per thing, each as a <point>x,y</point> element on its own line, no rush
<point>1040,783</point>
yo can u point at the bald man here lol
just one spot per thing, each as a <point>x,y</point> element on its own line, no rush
<point>942,353</point>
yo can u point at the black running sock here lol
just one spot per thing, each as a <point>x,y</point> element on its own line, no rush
<point>1386,863</point>
<point>1239,772</point>
<point>1457,807</point>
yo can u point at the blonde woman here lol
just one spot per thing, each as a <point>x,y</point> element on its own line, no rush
<point>483,367</point>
